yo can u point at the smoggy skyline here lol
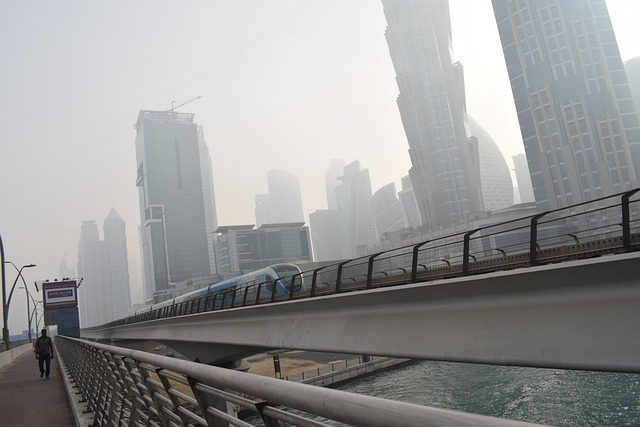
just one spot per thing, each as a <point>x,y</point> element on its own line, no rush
<point>284,85</point>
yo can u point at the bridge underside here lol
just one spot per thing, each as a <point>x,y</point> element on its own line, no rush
<point>576,315</point>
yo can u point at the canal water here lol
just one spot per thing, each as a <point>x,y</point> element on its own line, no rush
<point>544,396</point>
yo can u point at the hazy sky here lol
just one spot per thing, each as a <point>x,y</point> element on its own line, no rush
<point>285,84</point>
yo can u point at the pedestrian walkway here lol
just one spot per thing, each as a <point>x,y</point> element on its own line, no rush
<point>28,400</point>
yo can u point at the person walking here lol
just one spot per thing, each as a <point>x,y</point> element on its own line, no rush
<point>44,353</point>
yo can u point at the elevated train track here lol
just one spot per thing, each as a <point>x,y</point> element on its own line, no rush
<point>604,226</point>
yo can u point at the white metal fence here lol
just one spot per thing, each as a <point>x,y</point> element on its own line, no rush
<point>124,387</point>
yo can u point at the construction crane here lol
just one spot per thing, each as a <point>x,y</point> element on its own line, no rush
<point>173,106</point>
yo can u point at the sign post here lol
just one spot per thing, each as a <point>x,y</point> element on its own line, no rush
<point>60,300</point>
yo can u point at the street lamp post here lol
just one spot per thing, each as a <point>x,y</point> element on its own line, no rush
<point>5,306</point>
<point>29,313</point>
<point>5,331</point>
<point>34,313</point>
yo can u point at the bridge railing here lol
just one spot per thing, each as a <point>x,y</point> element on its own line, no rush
<point>124,387</point>
<point>605,225</point>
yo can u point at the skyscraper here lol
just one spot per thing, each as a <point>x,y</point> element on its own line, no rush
<point>283,204</point>
<point>433,111</point>
<point>103,265</point>
<point>208,196</point>
<point>387,212</point>
<point>94,295</point>
<point>331,181</point>
<point>578,122</point>
<point>173,230</point>
<point>117,260</point>
<point>495,177</point>
<point>353,199</point>
<point>325,235</point>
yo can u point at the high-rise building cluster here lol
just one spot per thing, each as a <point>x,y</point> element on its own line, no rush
<point>457,169</point>
<point>577,115</point>
<point>576,106</point>
<point>356,218</point>
<point>104,293</point>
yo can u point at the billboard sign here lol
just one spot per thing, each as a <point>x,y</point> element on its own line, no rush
<point>60,294</point>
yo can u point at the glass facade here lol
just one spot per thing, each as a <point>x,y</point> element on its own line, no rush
<point>173,226</point>
<point>578,122</point>
<point>433,111</point>
<point>246,250</point>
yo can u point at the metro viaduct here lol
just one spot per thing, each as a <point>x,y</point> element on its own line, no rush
<point>581,314</point>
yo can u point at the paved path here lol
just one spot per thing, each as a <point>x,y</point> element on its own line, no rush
<point>28,400</point>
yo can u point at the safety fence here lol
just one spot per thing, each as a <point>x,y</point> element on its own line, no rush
<point>123,387</point>
<point>12,344</point>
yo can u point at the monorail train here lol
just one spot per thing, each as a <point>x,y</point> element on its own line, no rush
<point>278,276</point>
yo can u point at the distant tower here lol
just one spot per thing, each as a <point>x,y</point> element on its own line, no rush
<point>387,211</point>
<point>283,204</point>
<point>262,210</point>
<point>433,111</point>
<point>524,179</point>
<point>495,177</point>
<point>115,240</point>
<point>353,198</point>
<point>285,197</point>
<point>208,196</point>
<point>64,270</point>
<point>173,231</point>
<point>331,181</point>
<point>325,235</point>
<point>95,301</point>
<point>579,126</point>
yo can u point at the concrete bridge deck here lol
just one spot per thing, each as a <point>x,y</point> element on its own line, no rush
<point>28,400</point>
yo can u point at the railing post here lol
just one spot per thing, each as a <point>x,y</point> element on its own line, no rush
<point>466,251</point>
<point>273,291</point>
<point>205,401</point>
<point>293,281</point>
<point>370,269</point>
<point>414,261</point>
<point>146,388</point>
<point>244,298</point>
<point>339,277</point>
<point>533,238</point>
<point>314,278</point>
<point>233,298</point>
<point>258,294</point>
<point>626,218</point>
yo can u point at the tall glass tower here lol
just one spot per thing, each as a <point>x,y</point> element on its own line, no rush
<point>433,111</point>
<point>577,118</point>
<point>173,231</point>
<point>115,239</point>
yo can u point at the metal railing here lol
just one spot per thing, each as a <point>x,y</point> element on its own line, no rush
<point>14,343</point>
<point>602,226</point>
<point>124,387</point>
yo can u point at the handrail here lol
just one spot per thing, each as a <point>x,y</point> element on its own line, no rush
<point>121,385</point>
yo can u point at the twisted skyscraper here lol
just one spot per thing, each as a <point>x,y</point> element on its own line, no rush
<point>433,111</point>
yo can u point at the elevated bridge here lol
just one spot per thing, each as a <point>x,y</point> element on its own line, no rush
<point>558,289</point>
